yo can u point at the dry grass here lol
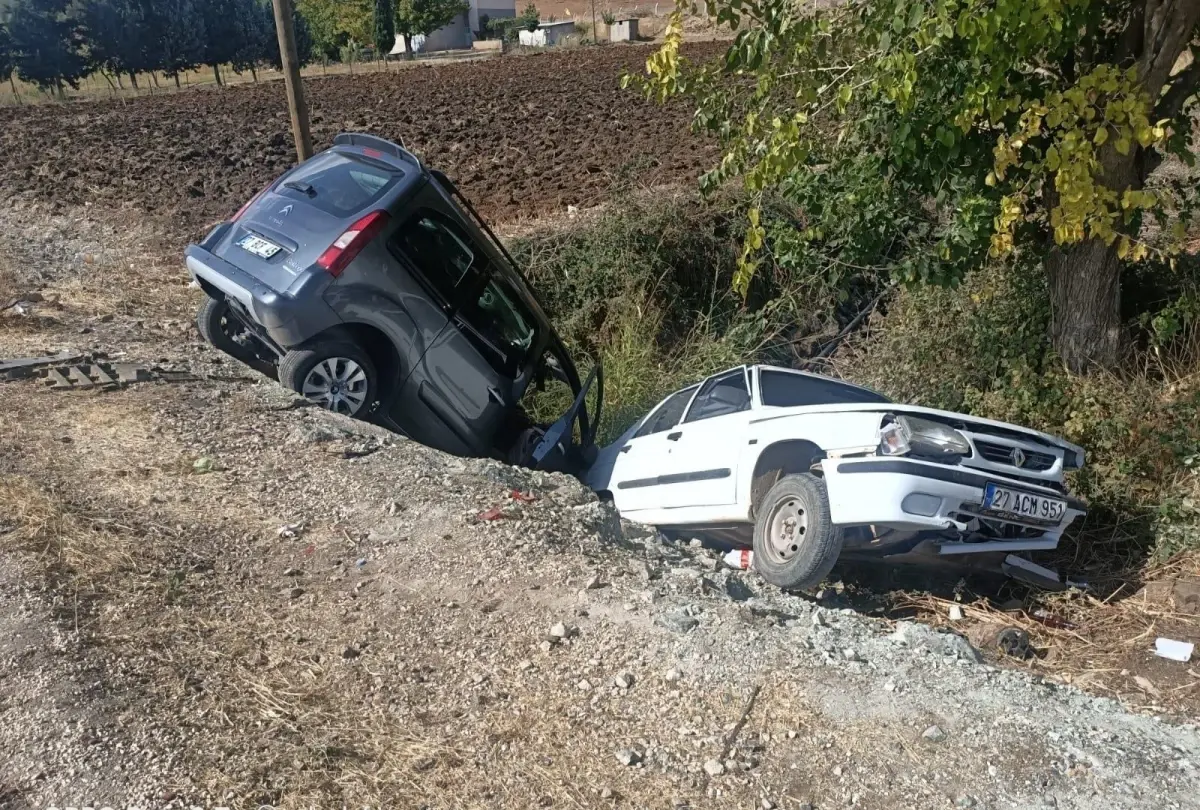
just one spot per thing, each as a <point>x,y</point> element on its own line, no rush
<point>1101,645</point>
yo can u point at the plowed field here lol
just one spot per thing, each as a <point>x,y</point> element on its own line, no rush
<point>522,135</point>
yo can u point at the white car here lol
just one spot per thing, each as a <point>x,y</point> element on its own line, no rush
<point>809,465</point>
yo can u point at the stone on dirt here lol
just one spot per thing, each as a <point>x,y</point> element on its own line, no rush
<point>714,767</point>
<point>677,621</point>
<point>933,734</point>
<point>629,756</point>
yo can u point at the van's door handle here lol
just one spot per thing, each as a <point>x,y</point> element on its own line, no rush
<point>626,448</point>
<point>674,437</point>
<point>495,394</point>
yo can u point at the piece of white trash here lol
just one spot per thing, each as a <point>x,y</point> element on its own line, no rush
<point>739,558</point>
<point>1175,650</point>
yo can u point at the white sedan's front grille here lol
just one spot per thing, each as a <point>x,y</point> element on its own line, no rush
<point>1015,457</point>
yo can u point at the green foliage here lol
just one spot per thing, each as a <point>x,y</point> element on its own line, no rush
<point>321,19</point>
<point>528,19</point>
<point>175,35</point>
<point>6,54</point>
<point>384,27</point>
<point>47,44</point>
<point>426,16</point>
<point>966,127</point>
<point>114,30</point>
<point>505,28</point>
<point>608,17</point>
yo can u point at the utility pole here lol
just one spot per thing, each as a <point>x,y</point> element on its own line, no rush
<point>291,78</point>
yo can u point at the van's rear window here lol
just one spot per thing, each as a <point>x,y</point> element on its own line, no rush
<point>339,184</point>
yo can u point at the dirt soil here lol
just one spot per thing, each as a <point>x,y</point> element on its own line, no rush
<point>522,136</point>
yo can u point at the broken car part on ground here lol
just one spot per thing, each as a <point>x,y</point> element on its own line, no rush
<point>806,468</point>
<point>368,283</point>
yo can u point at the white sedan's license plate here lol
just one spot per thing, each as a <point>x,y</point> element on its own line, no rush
<point>258,246</point>
<point>1023,504</point>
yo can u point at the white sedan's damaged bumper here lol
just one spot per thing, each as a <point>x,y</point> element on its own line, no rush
<point>911,495</point>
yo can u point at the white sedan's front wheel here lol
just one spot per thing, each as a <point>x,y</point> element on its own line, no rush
<point>795,541</point>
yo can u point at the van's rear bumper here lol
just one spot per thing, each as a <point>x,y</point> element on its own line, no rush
<point>286,321</point>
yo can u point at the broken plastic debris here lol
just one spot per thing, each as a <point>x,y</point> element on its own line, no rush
<point>204,464</point>
<point>1030,572</point>
<point>523,497</point>
<point>1175,650</point>
<point>741,558</point>
<point>493,513</point>
<point>290,531</point>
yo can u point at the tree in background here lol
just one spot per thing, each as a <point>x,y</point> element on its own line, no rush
<point>321,21</point>
<point>256,35</point>
<point>423,17</point>
<point>176,35</point>
<point>385,28</point>
<point>6,61</point>
<point>918,138</point>
<point>47,44</point>
<point>529,18</point>
<point>116,36</point>
<point>304,41</point>
<point>223,41</point>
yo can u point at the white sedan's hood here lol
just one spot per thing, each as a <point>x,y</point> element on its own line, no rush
<point>767,413</point>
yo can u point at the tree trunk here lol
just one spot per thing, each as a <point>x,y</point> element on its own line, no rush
<point>254,73</point>
<point>133,79</point>
<point>177,87</point>
<point>1085,305</point>
<point>408,47</point>
<point>108,79</point>
<point>217,73</point>
<point>154,78</point>
<point>13,84</point>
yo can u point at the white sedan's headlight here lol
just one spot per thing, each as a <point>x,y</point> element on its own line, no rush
<point>921,437</point>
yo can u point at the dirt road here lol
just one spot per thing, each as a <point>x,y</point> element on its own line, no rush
<point>211,596</point>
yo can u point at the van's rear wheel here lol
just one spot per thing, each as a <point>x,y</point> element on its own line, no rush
<point>334,374</point>
<point>795,541</point>
<point>221,330</point>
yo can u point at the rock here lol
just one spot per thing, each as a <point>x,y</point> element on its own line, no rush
<point>767,804</point>
<point>643,570</point>
<point>624,680</point>
<point>956,613</point>
<point>916,635</point>
<point>933,734</point>
<point>965,800</point>
<point>695,542</point>
<point>672,676</point>
<point>629,756</point>
<point>818,618</point>
<point>713,767</point>
<point>677,621</point>
<point>559,630</point>
<point>292,572</point>
<point>584,686</point>
<point>546,645</point>
<point>889,687</point>
<point>349,653</point>
<point>851,654</point>
<point>524,665</point>
<point>592,584</point>
<point>296,593</point>
<point>606,793</point>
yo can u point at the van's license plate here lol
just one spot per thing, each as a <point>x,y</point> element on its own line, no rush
<point>258,246</point>
<point>1023,504</point>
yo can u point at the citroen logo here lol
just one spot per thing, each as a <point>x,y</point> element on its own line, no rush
<point>283,212</point>
<point>1018,457</point>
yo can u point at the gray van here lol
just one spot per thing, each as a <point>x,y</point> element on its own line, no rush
<point>367,283</point>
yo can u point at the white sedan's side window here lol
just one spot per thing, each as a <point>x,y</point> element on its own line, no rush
<point>667,415</point>
<point>720,396</point>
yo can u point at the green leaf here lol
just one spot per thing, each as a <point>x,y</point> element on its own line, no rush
<point>916,14</point>
<point>885,41</point>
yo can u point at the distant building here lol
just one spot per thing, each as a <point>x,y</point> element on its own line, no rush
<point>460,33</point>
<point>547,33</point>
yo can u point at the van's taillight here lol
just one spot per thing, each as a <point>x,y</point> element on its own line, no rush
<point>250,202</point>
<point>348,245</point>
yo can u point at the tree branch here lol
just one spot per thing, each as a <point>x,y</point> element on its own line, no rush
<point>1182,86</point>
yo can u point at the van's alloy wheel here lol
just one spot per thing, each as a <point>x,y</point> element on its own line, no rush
<point>335,374</point>
<point>795,541</point>
<point>339,384</point>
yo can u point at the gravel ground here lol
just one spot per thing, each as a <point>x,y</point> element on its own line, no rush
<point>211,595</point>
